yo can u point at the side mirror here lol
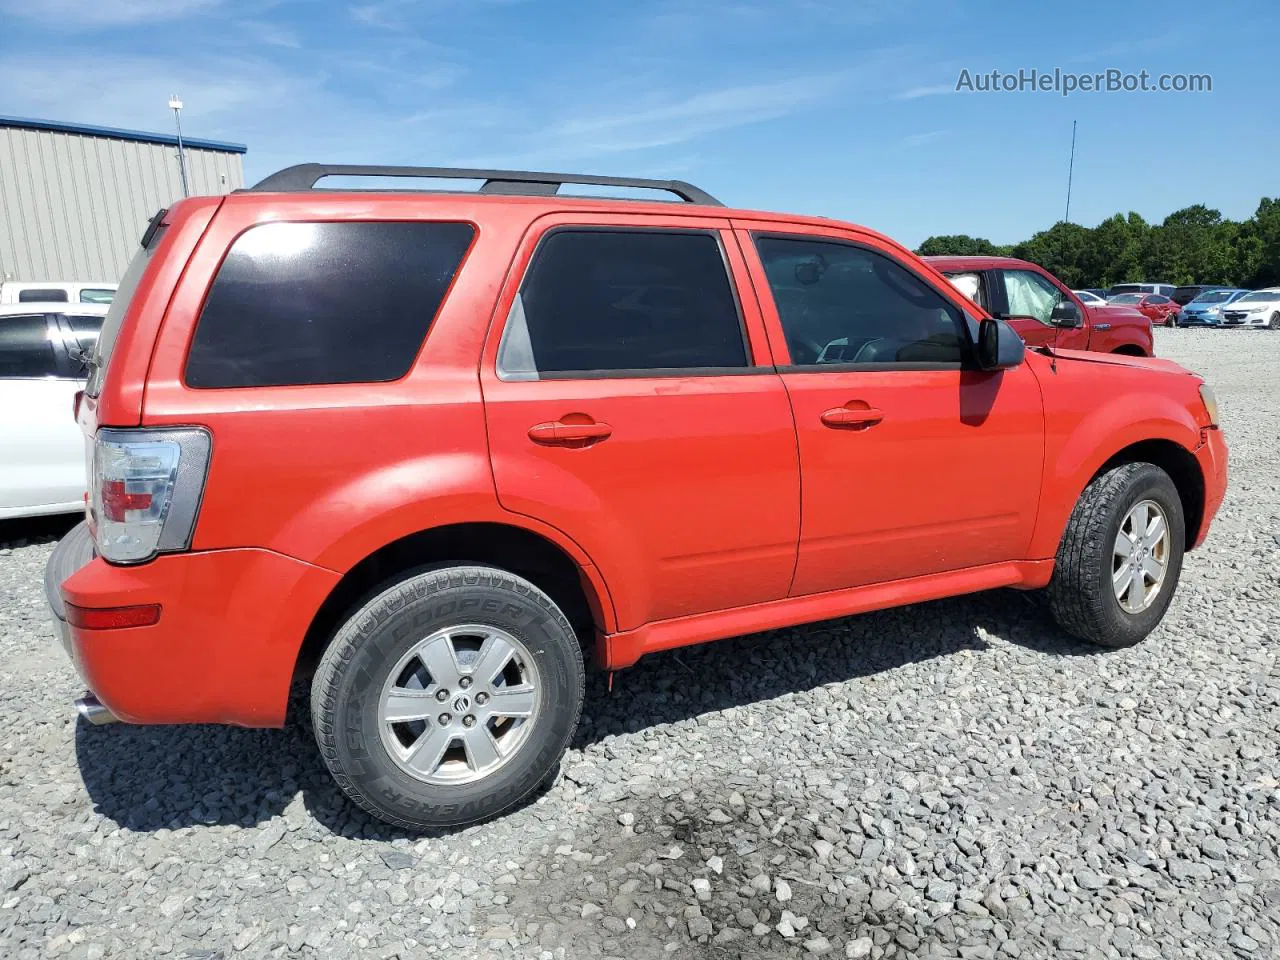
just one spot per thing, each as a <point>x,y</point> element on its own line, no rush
<point>999,346</point>
<point>1066,315</point>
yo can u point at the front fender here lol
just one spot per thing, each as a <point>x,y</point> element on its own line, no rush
<point>1078,444</point>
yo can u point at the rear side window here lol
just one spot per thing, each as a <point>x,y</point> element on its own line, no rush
<point>26,349</point>
<point>41,295</point>
<point>623,302</point>
<point>96,295</point>
<point>313,303</point>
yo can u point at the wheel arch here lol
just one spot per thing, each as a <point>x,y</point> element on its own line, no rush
<point>1181,466</point>
<point>576,587</point>
<point>1130,350</point>
<point>1109,435</point>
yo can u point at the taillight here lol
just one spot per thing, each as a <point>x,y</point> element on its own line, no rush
<point>145,490</point>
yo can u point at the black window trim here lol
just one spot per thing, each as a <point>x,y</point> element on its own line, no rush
<point>70,338</point>
<point>417,356</point>
<point>636,373</point>
<point>968,359</point>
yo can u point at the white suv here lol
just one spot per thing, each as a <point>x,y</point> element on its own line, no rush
<point>1258,309</point>
<point>42,346</point>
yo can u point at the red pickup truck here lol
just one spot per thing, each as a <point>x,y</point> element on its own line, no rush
<point>1043,310</point>
<point>440,446</point>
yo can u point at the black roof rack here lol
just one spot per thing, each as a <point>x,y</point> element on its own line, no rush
<point>304,176</point>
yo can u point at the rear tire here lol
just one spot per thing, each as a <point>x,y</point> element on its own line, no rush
<point>448,698</point>
<point>1098,558</point>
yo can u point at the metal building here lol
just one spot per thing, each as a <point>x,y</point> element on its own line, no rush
<point>74,199</point>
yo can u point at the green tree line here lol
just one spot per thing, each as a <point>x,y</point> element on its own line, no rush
<point>1192,245</point>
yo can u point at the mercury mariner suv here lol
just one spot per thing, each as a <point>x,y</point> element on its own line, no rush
<point>433,449</point>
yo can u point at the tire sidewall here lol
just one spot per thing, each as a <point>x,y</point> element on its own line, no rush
<point>383,631</point>
<point>1150,483</point>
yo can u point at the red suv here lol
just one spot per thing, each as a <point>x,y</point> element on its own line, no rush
<point>439,445</point>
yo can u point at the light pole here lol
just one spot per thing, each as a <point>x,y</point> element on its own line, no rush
<point>176,106</point>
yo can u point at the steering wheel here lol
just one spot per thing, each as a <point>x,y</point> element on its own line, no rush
<point>803,350</point>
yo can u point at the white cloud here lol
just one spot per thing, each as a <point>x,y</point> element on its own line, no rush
<point>920,139</point>
<point>934,90</point>
<point>79,14</point>
<point>679,119</point>
<point>271,34</point>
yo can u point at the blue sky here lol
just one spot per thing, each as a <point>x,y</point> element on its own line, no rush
<point>845,109</point>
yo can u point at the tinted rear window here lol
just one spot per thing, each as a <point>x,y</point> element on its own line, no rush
<point>312,303</point>
<point>41,295</point>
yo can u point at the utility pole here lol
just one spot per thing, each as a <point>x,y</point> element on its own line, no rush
<point>176,106</point>
<point>1066,217</point>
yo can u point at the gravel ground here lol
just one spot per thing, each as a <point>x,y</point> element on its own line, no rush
<point>952,779</point>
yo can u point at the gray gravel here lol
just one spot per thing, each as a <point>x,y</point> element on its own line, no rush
<point>953,779</point>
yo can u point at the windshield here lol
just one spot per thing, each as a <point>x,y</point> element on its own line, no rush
<point>115,314</point>
<point>1127,298</point>
<point>1214,296</point>
<point>1127,288</point>
<point>1260,296</point>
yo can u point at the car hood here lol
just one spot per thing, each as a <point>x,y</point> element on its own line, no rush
<point>1123,360</point>
<point>1253,305</point>
<point>1119,311</point>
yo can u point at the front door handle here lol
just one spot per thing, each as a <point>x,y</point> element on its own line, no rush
<point>562,434</point>
<point>852,418</point>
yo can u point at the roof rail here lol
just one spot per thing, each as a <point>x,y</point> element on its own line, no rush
<point>304,176</point>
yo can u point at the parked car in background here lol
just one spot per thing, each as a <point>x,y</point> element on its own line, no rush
<point>1091,298</point>
<point>1042,310</point>
<point>43,348</point>
<point>1160,310</point>
<point>1163,289</point>
<point>1097,292</point>
<point>56,291</point>
<point>1261,308</point>
<point>1184,295</point>
<point>1206,309</point>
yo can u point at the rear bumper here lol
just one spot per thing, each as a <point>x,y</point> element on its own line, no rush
<point>224,649</point>
<point>1212,455</point>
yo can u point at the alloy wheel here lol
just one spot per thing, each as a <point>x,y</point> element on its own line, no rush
<point>459,704</point>
<point>1140,557</point>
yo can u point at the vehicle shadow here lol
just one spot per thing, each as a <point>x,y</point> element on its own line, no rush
<point>26,531</point>
<point>151,778</point>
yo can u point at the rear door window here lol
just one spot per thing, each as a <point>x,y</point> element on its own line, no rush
<point>96,294</point>
<point>26,348</point>
<point>314,303</point>
<point>623,302</point>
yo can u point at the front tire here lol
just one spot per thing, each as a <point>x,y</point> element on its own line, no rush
<point>448,698</point>
<point>1120,558</point>
<point>1275,322</point>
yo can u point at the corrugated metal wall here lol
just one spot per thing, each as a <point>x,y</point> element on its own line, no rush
<point>72,207</point>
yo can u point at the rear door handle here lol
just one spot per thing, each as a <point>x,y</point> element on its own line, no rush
<point>852,418</point>
<point>561,434</point>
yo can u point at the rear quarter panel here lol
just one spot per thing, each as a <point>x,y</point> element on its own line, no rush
<point>328,474</point>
